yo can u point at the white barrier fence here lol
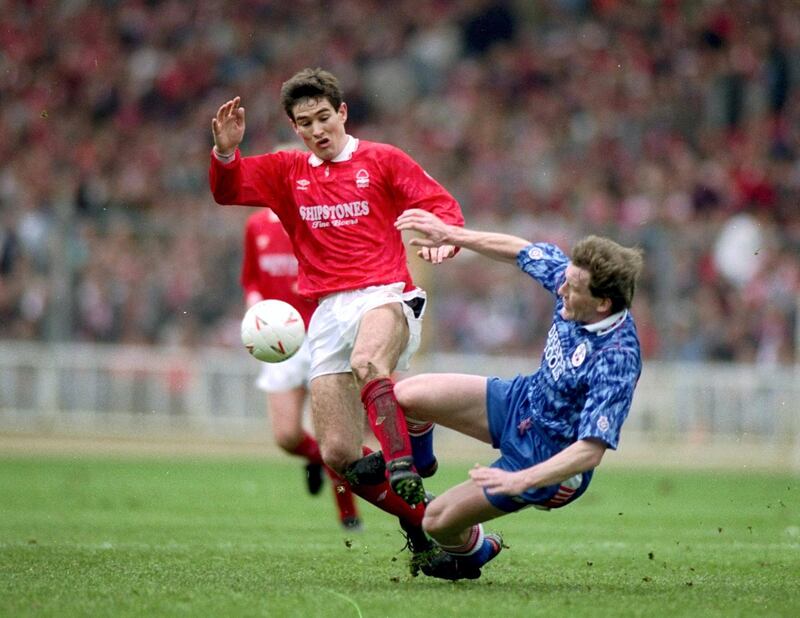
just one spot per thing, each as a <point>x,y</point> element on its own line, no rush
<point>145,392</point>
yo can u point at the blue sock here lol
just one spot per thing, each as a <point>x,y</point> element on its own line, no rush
<point>483,555</point>
<point>488,549</point>
<point>477,551</point>
<point>422,448</point>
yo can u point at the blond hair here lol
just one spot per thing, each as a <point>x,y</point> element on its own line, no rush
<point>613,269</point>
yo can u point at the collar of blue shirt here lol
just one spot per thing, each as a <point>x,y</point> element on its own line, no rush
<point>606,325</point>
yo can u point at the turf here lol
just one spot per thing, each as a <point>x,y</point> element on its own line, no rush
<point>102,537</point>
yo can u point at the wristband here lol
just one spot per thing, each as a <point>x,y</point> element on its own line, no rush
<point>224,158</point>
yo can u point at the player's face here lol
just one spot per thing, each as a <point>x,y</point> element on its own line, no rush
<point>320,126</point>
<point>579,304</point>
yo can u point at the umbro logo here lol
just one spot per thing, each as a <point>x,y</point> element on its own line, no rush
<point>524,425</point>
<point>302,184</point>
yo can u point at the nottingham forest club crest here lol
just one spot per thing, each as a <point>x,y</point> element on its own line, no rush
<point>362,179</point>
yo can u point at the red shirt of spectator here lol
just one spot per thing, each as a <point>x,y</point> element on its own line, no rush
<point>340,214</point>
<point>269,267</point>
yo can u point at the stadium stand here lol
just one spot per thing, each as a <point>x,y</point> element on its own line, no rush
<point>670,124</point>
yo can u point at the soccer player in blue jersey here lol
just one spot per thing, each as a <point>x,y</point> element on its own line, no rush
<point>552,427</point>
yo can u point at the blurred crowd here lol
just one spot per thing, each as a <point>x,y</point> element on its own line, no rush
<point>670,124</point>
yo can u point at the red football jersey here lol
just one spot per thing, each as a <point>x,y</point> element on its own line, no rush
<point>269,266</point>
<point>339,214</point>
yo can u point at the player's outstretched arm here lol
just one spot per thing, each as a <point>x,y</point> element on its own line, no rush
<point>227,127</point>
<point>581,456</point>
<point>437,233</point>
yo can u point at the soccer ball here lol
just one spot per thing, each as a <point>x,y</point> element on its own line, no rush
<point>272,331</point>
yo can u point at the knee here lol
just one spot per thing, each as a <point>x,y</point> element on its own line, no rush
<point>404,393</point>
<point>286,439</point>
<point>364,368</point>
<point>434,521</point>
<point>337,455</point>
<point>409,393</point>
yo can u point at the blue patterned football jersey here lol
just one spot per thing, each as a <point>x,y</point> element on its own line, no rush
<point>584,385</point>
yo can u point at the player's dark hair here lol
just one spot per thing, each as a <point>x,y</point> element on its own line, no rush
<point>310,84</point>
<point>613,269</point>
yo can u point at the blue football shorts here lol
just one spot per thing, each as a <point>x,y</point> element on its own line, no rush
<point>522,445</point>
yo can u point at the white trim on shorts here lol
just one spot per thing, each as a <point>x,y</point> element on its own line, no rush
<point>334,325</point>
<point>288,374</point>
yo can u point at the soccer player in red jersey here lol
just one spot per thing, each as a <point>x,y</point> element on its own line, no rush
<point>269,270</point>
<point>338,204</point>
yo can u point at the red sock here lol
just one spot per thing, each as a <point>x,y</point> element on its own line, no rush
<point>308,448</point>
<point>385,499</point>
<point>386,418</point>
<point>382,496</point>
<point>343,494</point>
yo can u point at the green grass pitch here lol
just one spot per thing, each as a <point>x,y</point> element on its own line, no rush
<point>158,537</point>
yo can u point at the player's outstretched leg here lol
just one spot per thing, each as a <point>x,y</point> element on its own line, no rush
<point>421,435</point>
<point>389,426</point>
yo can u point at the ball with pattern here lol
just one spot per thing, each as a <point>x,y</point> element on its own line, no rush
<point>272,330</point>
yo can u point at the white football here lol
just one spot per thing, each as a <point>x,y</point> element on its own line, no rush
<point>272,331</point>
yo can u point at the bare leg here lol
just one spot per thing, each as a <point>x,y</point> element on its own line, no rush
<point>382,337</point>
<point>457,401</point>
<point>383,334</point>
<point>450,516</point>
<point>286,414</point>
<point>454,400</point>
<point>338,419</point>
<point>286,417</point>
<point>454,521</point>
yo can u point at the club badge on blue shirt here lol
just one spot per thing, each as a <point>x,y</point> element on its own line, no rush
<point>579,355</point>
<point>535,253</point>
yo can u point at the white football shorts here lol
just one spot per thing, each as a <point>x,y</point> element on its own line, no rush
<point>334,325</point>
<point>288,374</point>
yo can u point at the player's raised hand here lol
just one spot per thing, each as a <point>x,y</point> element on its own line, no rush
<point>227,126</point>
